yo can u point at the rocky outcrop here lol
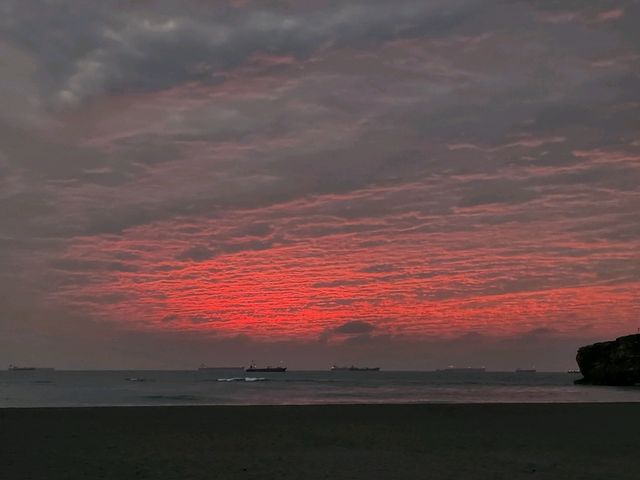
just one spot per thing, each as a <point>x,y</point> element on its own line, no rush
<point>611,363</point>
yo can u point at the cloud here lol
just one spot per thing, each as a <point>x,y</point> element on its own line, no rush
<point>307,165</point>
<point>197,254</point>
<point>379,268</point>
<point>354,327</point>
<point>339,283</point>
<point>540,331</point>
<point>496,192</point>
<point>107,49</point>
<point>75,264</point>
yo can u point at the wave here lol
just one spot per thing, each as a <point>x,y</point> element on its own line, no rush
<point>171,397</point>
<point>243,379</point>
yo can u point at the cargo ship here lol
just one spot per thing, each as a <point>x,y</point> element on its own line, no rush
<point>453,369</point>
<point>353,368</point>
<point>253,368</point>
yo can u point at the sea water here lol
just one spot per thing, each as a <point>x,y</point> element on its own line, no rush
<point>235,387</point>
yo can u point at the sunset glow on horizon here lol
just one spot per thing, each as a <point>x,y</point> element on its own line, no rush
<point>399,273</point>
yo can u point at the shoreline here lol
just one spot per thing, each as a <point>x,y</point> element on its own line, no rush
<point>354,441</point>
<point>318,405</point>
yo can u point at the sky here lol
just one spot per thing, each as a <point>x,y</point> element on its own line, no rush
<point>407,184</point>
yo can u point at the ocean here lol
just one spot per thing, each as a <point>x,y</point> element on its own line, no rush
<point>235,387</point>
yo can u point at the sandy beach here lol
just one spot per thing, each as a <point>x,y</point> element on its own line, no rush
<point>551,441</point>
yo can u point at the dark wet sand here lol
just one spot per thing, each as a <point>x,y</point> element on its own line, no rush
<point>561,441</point>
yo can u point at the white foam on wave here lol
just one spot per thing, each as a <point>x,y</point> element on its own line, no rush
<point>243,379</point>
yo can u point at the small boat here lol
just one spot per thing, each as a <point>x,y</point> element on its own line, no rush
<point>462,370</point>
<point>205,368</point>
<point>526,370</point>
<point>353,368</point>
<point>135,379</point>
<point>15,368</point>
<point>253,368</point>
<point>573,371</point>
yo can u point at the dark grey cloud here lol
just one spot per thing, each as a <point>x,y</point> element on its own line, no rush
<point>540,331</point>
<point>197,254</point>
<point>354,327</point>
<point>111,49</point>
<point>200,253</point>
<point>497,192</point>
<point>256,229</point>
<point>379,268</point>
<point>75,264</point>
<point>496,96</point>
<point>339,283</point>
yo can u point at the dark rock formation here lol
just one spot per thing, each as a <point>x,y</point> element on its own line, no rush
<point>611,363</point>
